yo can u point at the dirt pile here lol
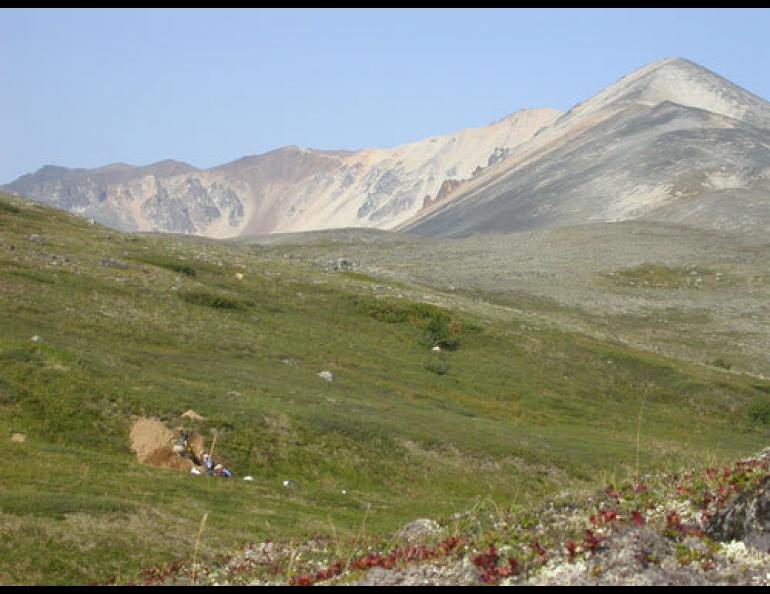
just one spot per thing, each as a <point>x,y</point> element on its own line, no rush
<point>153,443</point>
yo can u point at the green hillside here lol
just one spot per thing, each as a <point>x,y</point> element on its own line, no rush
<point>151,326</point>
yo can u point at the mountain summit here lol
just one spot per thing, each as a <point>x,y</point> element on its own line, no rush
<point>672,142</point>
<point>683,82</point>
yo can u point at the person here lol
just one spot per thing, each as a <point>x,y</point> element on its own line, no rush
<point>180,447</point>
<point>184,448</point>
<point>208,464</point>
<point>220,470</point>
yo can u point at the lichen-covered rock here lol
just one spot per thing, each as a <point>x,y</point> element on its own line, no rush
<point>746,519</point>
<point>417,530</point>
<point>454,573</point>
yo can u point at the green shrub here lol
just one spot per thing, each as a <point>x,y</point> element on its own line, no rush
<point>169,263</point>
<point>214,300</point>
<point>759,411</point>
<point>719,362</point>
<point>442,331</point>
<point>394,311</point>
<point>438,364</point>
<point>5,207</point>
<point>440,328</point>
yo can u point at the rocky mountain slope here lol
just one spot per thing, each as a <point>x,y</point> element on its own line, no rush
<point>289,189</point>
<point>670,142</point>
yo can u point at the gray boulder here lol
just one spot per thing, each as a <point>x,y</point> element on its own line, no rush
<point>417,530</point>
<point>341,264</point>
<point>746,519</point>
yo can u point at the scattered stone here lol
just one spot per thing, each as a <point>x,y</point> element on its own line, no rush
<point>113,263</point>
<point>342,264</point>
<point>35,238</point>
<point>239,275</point>
<point>436,349</point>
<point>193,416</point>
<point>18,438</point>
<point>37,338</point>
<point>326,375</point>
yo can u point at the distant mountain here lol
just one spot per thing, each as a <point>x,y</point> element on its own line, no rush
<point>289,189</point>
<point>671,142</point>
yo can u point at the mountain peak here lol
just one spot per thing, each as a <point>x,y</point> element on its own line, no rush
<point>681,81</point>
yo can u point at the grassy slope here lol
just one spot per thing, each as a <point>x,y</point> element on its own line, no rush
<point>522,411</point>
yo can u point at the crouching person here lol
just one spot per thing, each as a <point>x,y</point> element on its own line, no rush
<point>184,448</point>
<point>220,470</point>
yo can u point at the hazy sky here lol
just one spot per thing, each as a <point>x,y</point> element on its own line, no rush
<point>84,88</point>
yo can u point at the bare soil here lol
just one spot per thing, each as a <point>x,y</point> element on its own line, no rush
<point>153,443</point>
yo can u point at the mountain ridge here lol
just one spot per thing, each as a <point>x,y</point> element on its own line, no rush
<point>520,172</point>
<point>287,189</point>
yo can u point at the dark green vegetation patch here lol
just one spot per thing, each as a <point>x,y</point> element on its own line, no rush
<point>215,300</point>
<point>441,327</point>
<point>169,263</point>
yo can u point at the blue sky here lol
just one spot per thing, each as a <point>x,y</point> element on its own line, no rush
<point>84,88</point>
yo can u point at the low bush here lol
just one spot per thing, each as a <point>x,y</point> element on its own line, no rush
<point>217,301</point>
<point>170,263</point>
<point>440,327</point>
<point>719,362</point>
<point>759,411</point>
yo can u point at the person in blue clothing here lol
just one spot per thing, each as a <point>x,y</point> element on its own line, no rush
<point>220,470</point>
<point>208,464</point>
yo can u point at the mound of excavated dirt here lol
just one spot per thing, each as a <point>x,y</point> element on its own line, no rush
<point>153,443</point>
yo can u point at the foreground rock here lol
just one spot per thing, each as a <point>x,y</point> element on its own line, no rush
<point>457,573</point>
<point>418,530</point>
<point>644,557</point>
<point>747,519</point>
